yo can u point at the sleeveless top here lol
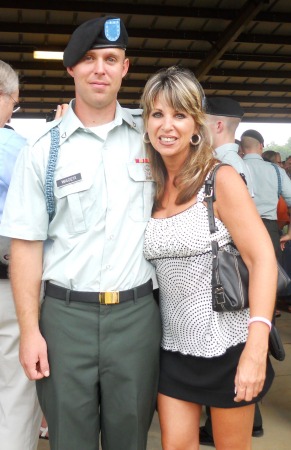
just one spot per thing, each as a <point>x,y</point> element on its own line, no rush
<point>180,249</point>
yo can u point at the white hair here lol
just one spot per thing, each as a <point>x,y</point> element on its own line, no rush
<point>9,81</point>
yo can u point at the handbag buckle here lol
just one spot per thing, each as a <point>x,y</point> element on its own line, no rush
<point>219,294</point>
<point>208,192</point>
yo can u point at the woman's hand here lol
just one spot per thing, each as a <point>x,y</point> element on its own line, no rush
<point>251,370</point>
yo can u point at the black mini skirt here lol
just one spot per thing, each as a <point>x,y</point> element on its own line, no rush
<point>206,381</point>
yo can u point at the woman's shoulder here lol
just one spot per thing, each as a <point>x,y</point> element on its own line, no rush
<point>226,174</point>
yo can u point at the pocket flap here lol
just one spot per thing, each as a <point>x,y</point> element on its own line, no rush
<point>71,186</point>
<point>140,171</point>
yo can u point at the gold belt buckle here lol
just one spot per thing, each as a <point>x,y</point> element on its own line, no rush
<point>109,298</point>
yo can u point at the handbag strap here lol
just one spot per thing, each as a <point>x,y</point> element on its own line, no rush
<point>210,197</point>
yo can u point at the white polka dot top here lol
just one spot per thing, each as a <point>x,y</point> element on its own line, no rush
<point>180,249</point>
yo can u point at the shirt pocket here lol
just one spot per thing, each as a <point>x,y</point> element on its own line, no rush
<point>73,201</point>
<point>142,189</point>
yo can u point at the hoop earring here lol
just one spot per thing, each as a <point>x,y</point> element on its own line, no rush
<point>197,138</point>
<point>145,138</point>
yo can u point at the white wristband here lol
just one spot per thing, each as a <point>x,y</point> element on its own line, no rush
<point>261,319</point>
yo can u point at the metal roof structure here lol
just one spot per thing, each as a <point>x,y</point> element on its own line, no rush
<point>236,48</point>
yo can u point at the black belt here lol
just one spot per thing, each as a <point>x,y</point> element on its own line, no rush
<point>105,298</point>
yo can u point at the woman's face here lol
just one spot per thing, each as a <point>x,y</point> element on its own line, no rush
<point>170,131</point>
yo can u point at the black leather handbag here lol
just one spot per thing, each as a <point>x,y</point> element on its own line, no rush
<point>230,280</point>
<point>230,276</point>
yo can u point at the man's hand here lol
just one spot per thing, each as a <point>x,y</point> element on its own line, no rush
<point>33,355</point>
<point>284,239</point>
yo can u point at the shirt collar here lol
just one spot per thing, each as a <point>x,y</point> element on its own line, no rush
<point>253,156</point>
<point>70,122</point>
<point>225,148</point>
<point>126,115</point>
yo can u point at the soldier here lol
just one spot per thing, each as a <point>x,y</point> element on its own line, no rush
<point>84,186</point>
<point>270,181</point>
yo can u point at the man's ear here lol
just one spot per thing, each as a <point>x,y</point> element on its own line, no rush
<point>70,71</point>
<point>125,67</point>
<point>220,126</point>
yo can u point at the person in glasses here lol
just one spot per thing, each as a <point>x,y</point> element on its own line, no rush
<point>20,413</point>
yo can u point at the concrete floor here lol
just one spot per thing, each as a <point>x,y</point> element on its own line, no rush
<point>276,407</point>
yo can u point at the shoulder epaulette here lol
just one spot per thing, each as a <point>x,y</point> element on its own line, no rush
<point>44,130</point>
<point>135,112</point>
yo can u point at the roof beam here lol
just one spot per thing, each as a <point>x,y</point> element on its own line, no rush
<point>150,33</point>
<point>58,93</point>
<point>164,53</point>
<point>248,12</point>
<point>47,106</point>
<point>148,9</point>
<point>250,73</point>
<point>130,83</point>
<point>47,66</point>
<point>256,87</point>
<point>126,8</point>
<point>246,119</point>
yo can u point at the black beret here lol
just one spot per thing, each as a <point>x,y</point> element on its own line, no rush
<point>223,106</point>
<point>253,134</point>
<point>103,32</point>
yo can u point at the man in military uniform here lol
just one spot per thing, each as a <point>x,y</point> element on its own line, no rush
<point>270,181</point>
<point>223,115</point>
<point>84,188</point>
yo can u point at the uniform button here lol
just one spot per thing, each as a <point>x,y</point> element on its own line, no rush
<point>111,236</point>
<point>108,267</point>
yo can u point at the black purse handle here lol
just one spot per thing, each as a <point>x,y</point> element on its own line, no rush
<point>210,197</point>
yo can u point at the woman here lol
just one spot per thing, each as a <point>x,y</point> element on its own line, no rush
<point>207,358</point>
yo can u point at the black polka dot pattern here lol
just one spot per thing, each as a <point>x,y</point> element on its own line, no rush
<point>180,249</point>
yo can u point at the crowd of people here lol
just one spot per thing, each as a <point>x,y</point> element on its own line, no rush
<point>106,252</point>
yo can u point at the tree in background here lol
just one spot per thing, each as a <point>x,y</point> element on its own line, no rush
<point>284,150</point>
